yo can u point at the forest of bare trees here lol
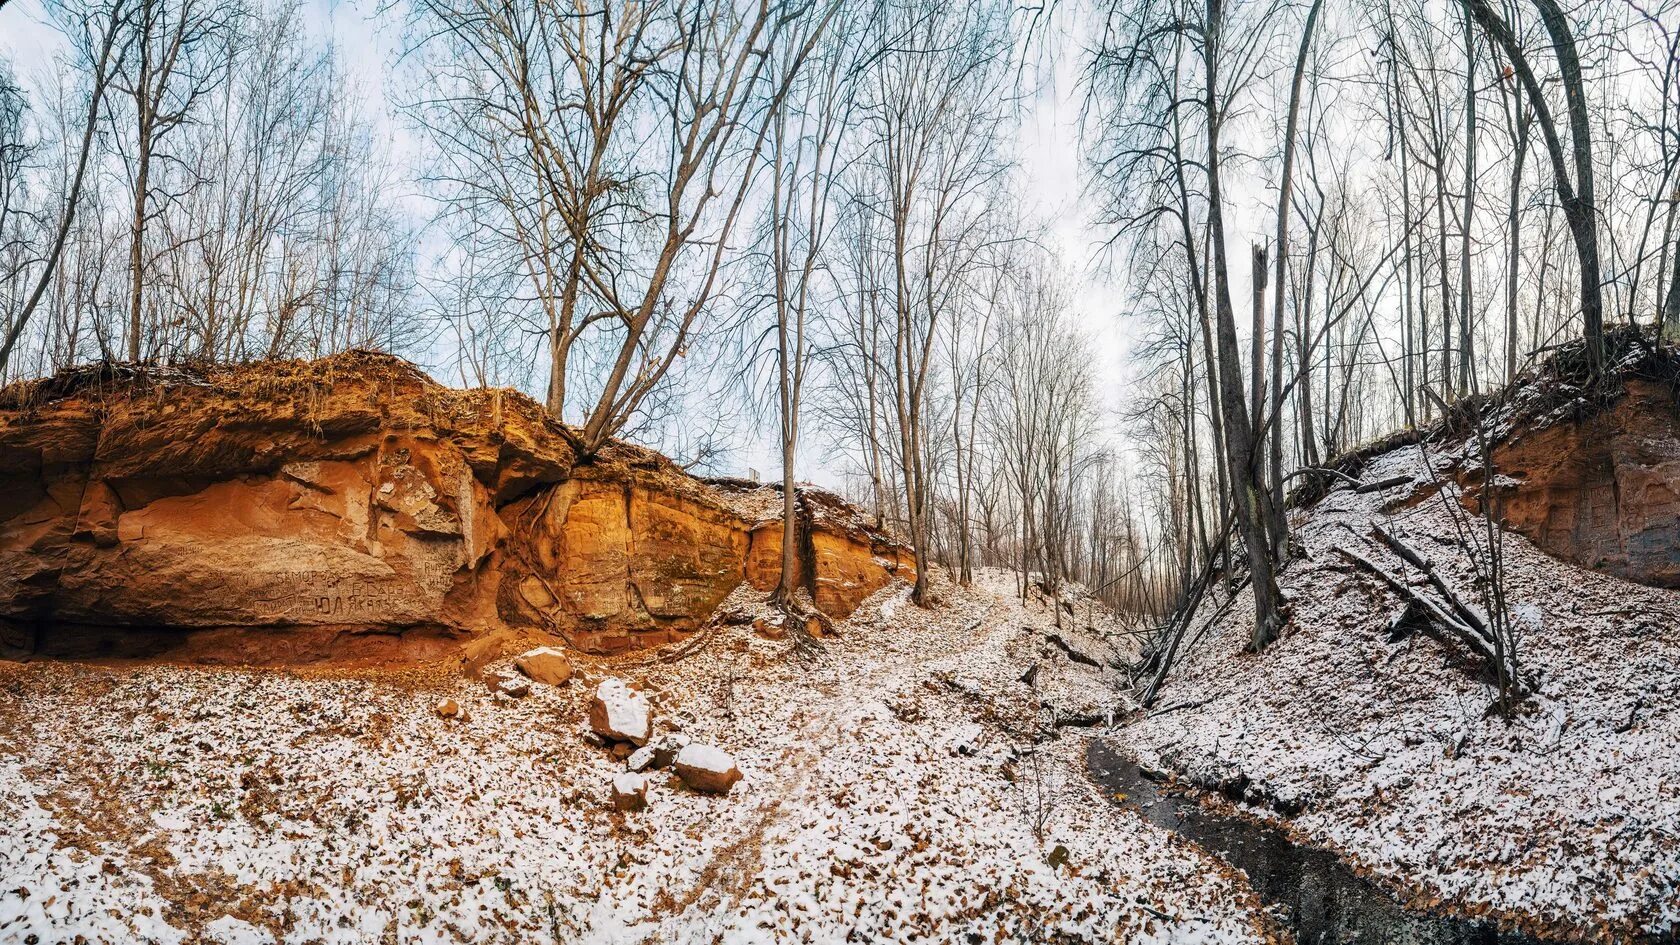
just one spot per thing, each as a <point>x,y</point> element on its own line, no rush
<point>1431,196</point>
<point>811,219</point>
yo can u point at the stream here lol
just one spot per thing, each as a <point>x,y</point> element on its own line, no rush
<point>1316,895</point>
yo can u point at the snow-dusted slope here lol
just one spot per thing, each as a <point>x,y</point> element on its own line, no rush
<point>1567,817</point>
<point>889,796</point>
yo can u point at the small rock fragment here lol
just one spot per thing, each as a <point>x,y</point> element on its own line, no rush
<point>619,713</point>
<point>658,753</point>
<point>545,664</point>
<point>514,688</point>
<point>707,768</point>
<point>967,740</point>
<point>448,708</point>
<point>769,630</point>
<point>669,746</point>
<point>629,791</point>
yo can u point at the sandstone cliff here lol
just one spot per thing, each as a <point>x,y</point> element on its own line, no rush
<point>1585,465</point>
<point>352,506</point>
<point>1600,489</point>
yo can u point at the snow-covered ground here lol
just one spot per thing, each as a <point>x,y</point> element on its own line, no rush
<point>1566,817</point>
<point>896,790</point>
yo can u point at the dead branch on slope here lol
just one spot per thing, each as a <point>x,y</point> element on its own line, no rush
<point>1453,618</point>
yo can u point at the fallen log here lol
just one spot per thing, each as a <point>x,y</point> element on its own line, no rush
<point>1163,653</point>
<point>1381,484</point>
<point>1427,568</point>
<point>1473,638</point>
<point>1356,484</point>
<point>1323,471</point>
<point>1180,705</point>
<point>1072,653</point>
<point>1436,614</point>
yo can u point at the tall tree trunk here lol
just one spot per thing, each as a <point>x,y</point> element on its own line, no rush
<point>1575,197</point>
<point>1671,304</point>
<point>1199,291</point>
<point>788,582</point>
<point>1286,182</point>
<point>1581,212</point>
<point>1409,302</point>
<point>1443,255</point>
<point>1303,348</point>
<point>1257,283</point>
<point>1466,381</point>
<point>556,397</point>
<point>1247,485</point>
<point>1514,255</point>
<point>142,173</point>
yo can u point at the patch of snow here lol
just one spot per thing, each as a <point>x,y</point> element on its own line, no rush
<point>231,931</point>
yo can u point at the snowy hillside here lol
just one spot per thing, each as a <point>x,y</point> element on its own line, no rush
<point>1564,820</point>
<point>907,786</point>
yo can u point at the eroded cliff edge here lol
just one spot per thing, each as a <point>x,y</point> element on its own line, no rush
<point>1585,463</point>
<point>353,506</point>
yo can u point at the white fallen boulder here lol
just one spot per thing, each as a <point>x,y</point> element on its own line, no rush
<point>629,791</point>
<point>545,664</point>
<point>707,768</point>
<point>641,759</point>
<point>620,714</point>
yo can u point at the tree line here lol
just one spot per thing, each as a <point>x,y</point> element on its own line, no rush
<point>1430,196</point>
<point>664,217</point>
<point>640,211</point>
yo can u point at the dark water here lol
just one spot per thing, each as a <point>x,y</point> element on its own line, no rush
<point>1317,895</point>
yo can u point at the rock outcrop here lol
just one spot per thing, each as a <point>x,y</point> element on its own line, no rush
<point>353,506</point>
<point>1603,490</point>
<point>1585,461</point>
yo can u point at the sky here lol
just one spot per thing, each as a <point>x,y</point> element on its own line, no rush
<point>1047,145</point>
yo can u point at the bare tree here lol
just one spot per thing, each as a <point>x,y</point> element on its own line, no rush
<point>1271,427</point>
<point>96,40</point>
<point>611,149</point>
<point>934,109</point>
<point>804,155</point>
<point>1576,195</point>
<point>1041,423</point>
<point>177,53</point>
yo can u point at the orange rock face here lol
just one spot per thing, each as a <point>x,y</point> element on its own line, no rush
<point>351,505</point>
<point>843,559</point>
<point>1603,492</point>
